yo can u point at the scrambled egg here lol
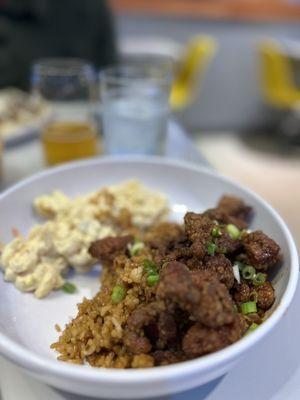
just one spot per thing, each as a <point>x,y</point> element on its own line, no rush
<point>39,263</point>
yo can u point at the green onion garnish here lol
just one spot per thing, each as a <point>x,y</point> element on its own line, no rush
<point>135,248</point>
<point>259,279</point>
<point>150,267</point>
<point>69,287</point>
<point>216,231</point>
<point>153,279</point>
<point>117,294</point>
<point>249,307</point>
<point>254,296</point>
<point>244,232</point>
<point>211,248</point>
<point>233,231</point>
<point>248,272</point>
<point>151,271</point>
<point>240,265</point>
<point>251,328</point>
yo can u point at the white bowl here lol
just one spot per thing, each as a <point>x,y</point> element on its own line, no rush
<point>27,324</point>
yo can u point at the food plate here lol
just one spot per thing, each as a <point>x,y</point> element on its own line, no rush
<point>22,115</point>
<point>27,132</point>
<point>26,327</point>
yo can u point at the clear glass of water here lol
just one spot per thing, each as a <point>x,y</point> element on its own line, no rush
<point>135,105</point>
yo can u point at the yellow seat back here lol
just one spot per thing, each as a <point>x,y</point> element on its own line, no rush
<point>191,69</point>
<point>277,83</point>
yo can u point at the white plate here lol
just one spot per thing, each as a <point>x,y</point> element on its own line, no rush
<point>26,324</point>
<point>23,133</point>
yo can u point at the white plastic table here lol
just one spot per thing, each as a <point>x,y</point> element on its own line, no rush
<point>270,372</point>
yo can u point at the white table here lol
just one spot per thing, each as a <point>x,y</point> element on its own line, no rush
<point>270,372</point>
<point>27,158</point>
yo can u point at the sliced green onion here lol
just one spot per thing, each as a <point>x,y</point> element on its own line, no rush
<point>259,279</point>
<point>69,287</point>
<point>233,231</point>
<point>117,294</point>
<point>153,279</point>
<point>244,232</point>
<point>252,328</point>
<point>249,307</point>
<point>135,248</point>
<point>254,296</point>
<point>216,231</point>
<point>211,248</point>
<point>240,265</point>
<point>150,267</point>
<point>248,272</point>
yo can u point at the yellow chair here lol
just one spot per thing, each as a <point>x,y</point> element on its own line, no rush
<point>190,71</point>
<point>277,83</point>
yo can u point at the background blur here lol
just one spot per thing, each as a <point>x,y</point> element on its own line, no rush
<point>245,116</point>
<point>230,96</point>
<point>237,82</point>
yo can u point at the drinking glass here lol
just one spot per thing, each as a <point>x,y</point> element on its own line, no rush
<point>69,87</point>
<point>135,105</point>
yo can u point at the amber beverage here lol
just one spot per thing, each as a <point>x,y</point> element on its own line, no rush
<point>65,140</point>
<point>69,87</point>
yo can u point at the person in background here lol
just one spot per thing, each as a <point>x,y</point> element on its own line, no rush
<point>33,29</point>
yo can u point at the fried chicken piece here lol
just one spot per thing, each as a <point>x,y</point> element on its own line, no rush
<point>164,235</point>
<point>198,229</point>
<point>231,210</point>
<point>261,250</point>
<point>166,357</point>
<point>177,286</point>
<point>216,306</point>
<point>208,302</point>
<point>241,292</point>
<point>226,244</point>
<point>107,249</point>
<point>222,268</point>
<point>200,339</point>
<point>235,207</point>
<point>265,295</point>
<point>163,330</point>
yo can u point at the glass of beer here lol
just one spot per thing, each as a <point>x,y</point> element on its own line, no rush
<point>69,86</point>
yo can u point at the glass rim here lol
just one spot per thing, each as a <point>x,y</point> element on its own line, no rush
<point>62,66</point>
<point>142,56</point>
<point>134,68</point>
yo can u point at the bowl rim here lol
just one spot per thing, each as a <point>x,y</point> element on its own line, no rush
<point>39,364</point>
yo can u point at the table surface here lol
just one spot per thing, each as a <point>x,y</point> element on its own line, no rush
<point>261,163</point>
<point>273,367</point>
<point>26,158</point>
